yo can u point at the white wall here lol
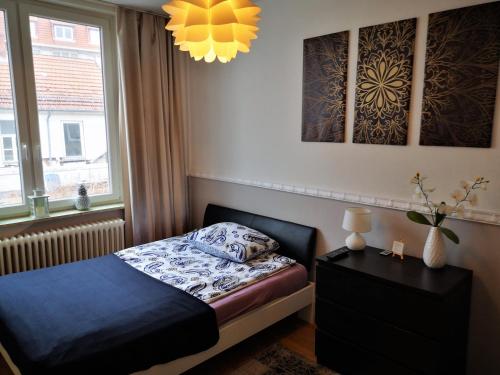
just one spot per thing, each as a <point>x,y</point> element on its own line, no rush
<point>248,113</point>
<point>246,124</point>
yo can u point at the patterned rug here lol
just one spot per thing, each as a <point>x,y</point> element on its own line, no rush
<point>276,360</point>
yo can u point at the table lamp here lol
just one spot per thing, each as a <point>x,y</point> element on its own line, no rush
<point>357,220</point>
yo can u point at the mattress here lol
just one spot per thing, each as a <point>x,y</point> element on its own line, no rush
<point>258,294</point>
<point>179,263</point>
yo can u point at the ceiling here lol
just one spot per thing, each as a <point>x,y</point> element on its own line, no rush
<point>147,5</point>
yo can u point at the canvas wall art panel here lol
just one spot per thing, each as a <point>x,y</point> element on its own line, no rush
<point>324,88</point>
<point>461,74</point>
<point>383,83</point>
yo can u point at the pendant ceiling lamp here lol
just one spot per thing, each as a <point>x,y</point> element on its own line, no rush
<point>211,29</point>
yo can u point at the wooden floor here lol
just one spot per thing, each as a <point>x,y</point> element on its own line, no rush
<point>292,333</point>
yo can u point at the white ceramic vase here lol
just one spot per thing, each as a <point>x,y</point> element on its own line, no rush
<point>434,251</point>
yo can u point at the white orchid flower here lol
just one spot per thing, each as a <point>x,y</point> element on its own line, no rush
<point>465,184</point>
<point>439,211</point>
<point>473,200</point>
<point>417,194</point>
<point>458,195</point>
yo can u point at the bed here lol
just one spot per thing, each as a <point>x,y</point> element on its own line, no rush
<point>247,310</point>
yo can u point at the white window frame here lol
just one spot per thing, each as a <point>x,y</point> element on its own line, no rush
<point>13,34</point>
<point>63,29</point>
<point>24,92</point>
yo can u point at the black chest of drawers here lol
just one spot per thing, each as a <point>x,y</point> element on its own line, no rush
<point>380,315</point>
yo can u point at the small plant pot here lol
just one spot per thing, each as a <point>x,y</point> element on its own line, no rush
<point>82,203</point>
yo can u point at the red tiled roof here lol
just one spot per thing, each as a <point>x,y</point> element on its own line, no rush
<point>62,83</point>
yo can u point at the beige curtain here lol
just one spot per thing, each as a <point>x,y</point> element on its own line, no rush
<point>152,110</point>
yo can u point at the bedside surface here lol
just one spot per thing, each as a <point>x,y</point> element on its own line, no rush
<point>410,272</point>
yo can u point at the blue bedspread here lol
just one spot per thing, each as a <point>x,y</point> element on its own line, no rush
<point>99,316</point>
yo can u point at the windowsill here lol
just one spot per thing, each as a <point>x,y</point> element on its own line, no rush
<point>61,214</point>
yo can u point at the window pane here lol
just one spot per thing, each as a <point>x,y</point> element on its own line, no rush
<point>71,110</point>
<point>73,140</point>
<point>94,35</point>
<point>7,143</point>
<point>8,155</point>
<point>10,173</point>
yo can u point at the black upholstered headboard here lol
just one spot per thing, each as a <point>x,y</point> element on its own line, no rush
<point>296,241</point>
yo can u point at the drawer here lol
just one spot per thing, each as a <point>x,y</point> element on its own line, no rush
<point>410,349</point>
<point>401,307</point>
<point>348,359</point>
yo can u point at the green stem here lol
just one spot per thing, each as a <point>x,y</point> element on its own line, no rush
<point>467,193</point>
<point>421,187</point>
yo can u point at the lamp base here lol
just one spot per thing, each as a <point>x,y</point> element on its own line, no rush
<point>355,241</point>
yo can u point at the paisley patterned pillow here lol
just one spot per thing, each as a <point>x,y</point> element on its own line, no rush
<point>232,241</point>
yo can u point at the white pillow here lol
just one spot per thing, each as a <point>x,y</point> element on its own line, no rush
<point>232,241</point>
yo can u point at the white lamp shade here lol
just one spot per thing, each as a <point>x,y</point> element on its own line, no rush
<point>357,219</point>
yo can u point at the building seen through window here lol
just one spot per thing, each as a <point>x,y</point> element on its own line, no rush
<point>67,61</point>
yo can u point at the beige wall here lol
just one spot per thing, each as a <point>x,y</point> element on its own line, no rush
<point>246,124</point>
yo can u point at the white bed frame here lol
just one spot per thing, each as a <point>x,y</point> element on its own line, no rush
<point>231,333</point>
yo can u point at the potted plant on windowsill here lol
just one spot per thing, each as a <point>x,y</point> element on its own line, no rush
<point>434,255</point>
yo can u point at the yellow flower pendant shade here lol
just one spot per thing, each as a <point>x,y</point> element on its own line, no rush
<point>211,29</point>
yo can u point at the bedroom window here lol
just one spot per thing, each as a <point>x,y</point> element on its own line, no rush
<point>69,135</point>
<point>72,114</point>
<point>11,191</point>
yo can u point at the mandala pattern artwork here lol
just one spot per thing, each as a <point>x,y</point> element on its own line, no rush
<point>383,84</point>
<point>324,88</point>
<point>461,74</point>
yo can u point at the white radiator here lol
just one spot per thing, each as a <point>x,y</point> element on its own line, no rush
<point>64,245</point>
